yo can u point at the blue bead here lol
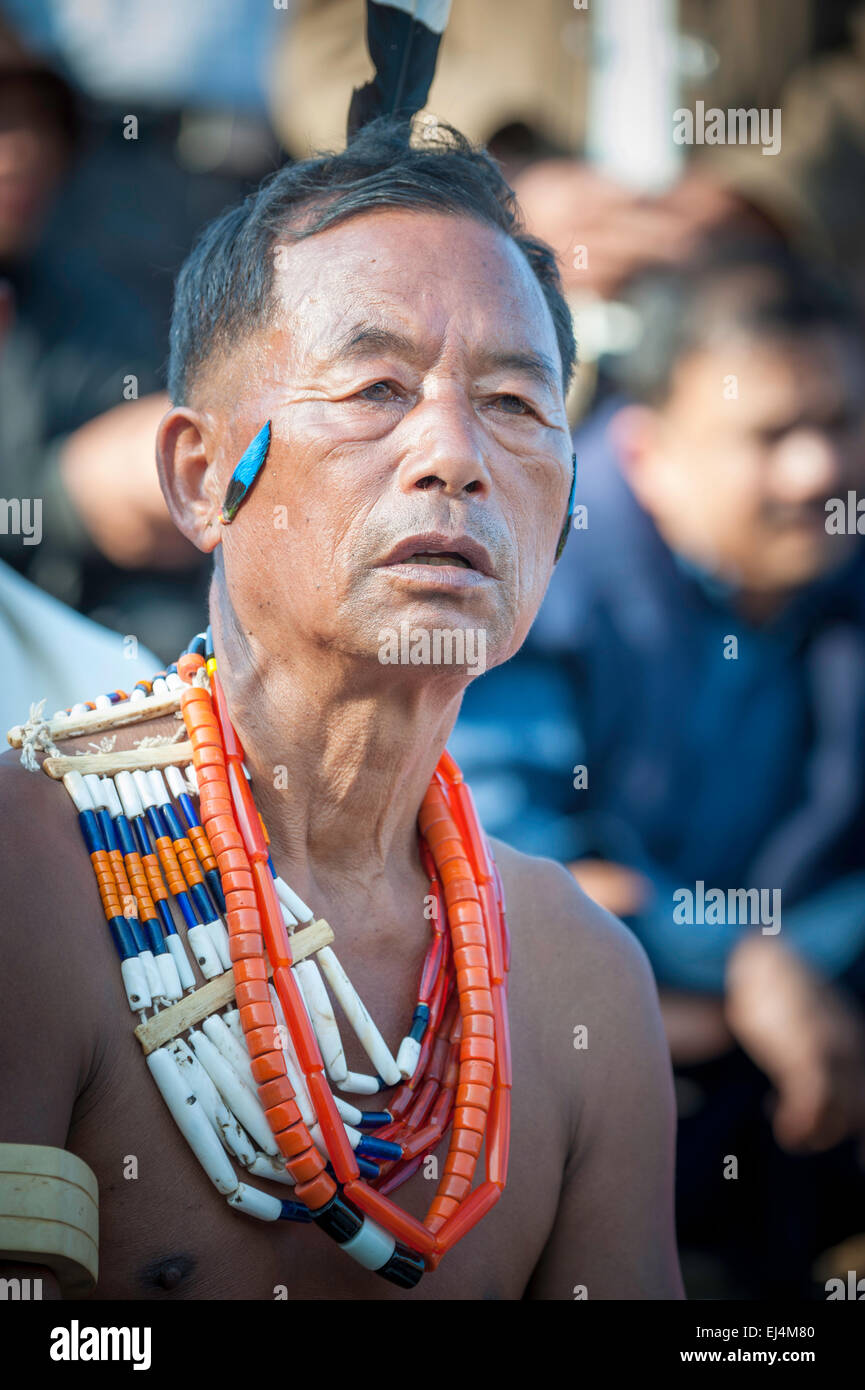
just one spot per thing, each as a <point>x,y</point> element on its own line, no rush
<point>106,825</point>
<point>365,1167</point>
<point>374,1119</point>
<point>294,1211</point>
<point>383,1149</point>
<point>164,911</point>
<point>201,898</point>
<point>121,935</point>
<point>172,821</point>
<point>91,831</point>
<point>124,834</point>
<point>212,876</point>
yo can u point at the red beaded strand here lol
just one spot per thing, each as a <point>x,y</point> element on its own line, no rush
<point>463,1071</point>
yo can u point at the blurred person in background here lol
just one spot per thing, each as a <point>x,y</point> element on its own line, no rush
<point>46,647</point>
<point>701,652</point>
<point>164,114</point>
<point>76,345</point>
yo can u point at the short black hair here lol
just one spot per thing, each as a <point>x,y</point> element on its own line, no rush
<point>224,288</point>
<point>753,286</point>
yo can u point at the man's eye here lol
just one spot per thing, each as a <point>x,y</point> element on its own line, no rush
<point>378,391</point>
<point>514,405</point>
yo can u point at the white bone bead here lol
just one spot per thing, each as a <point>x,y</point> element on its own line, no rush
<point>288,917</point>
<point>142,786</point>
<point>110,799</point>
<point>254,1202</point>
<point>371,1247</point>
<point>152,975</point>
<point>160,687</point>
<point>176,781</point>
<point>173,681</point>
<point>358,1084</point>
<point>178,954</point>
<point>80,708</point>
<point>271,1168</point>
<point>137,696</point>
<point>201,944</point>
<point>354,1136</point>
<point>103,702</point>
<point>237,1097</point>
<point>158,789</point>
<point>191,778</point>
<point>128,793</point>
<point>407,1057</point>
<point>321,1014</point>
<point>168,975</point>
<point>292,901</point>
<point>94,787</point>
<point>135,983</point>
<point>349,1113</point>
<point>234,1137</point>
<point>191,1120</point>
<point>234,1052</point>
<point>231,1018</point>
<point>292,1067</point>
<point>219,937</point>
<point>78,790</point>
<point>358,1016</point>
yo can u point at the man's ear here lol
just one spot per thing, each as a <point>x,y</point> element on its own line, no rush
<point>187,476</point>
<point>635,431</point>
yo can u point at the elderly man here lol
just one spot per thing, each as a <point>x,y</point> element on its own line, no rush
<point>376,321</point>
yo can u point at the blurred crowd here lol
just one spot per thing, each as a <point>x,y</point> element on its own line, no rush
<point>688,713</point>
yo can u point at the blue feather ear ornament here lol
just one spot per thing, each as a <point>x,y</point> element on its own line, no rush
<point>245,474</point>
<point>567,526</point>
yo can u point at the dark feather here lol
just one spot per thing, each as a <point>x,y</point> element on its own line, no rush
<point>403,41</point>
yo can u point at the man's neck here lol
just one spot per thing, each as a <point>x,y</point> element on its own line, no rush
<point>340,755</point>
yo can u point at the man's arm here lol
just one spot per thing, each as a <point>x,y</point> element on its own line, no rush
<point>49,1014</point>
<point>614,1232</point>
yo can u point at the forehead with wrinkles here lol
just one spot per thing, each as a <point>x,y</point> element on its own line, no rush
<point>423,287</point>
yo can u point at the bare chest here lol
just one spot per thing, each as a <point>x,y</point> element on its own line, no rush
<point>166,1232</point>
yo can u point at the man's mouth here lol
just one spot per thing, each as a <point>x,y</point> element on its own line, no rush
<point>443,558</point>
<point>441,551</point>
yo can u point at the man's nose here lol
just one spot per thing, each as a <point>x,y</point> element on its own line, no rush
<point>443,449</point>
<point>807,466</point>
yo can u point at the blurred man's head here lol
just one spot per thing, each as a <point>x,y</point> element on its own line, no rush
<point>749,390</point>
<point>38,122</point>
<point>411,349</point>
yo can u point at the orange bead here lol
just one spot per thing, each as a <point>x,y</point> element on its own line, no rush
<point>188,664</point>
<point>250,992</point>
<point>469,1117</point>
<point>317,1193</point>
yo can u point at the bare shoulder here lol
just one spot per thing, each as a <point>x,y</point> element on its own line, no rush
<point>585,1002</point>
<point>570,939</point>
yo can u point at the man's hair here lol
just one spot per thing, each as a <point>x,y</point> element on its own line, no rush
<point>751,287</point>
<point>224,289</point>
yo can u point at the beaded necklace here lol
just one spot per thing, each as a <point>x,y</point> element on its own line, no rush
<point>253,1082</point>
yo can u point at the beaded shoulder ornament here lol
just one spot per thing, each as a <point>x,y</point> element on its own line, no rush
<point>246,1062</point>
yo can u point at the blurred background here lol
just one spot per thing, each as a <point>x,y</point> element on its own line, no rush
<point>689,710</point>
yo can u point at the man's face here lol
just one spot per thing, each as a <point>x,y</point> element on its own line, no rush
<point>755,437</point>
<point>33,155</point>
<point>413,382</point>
